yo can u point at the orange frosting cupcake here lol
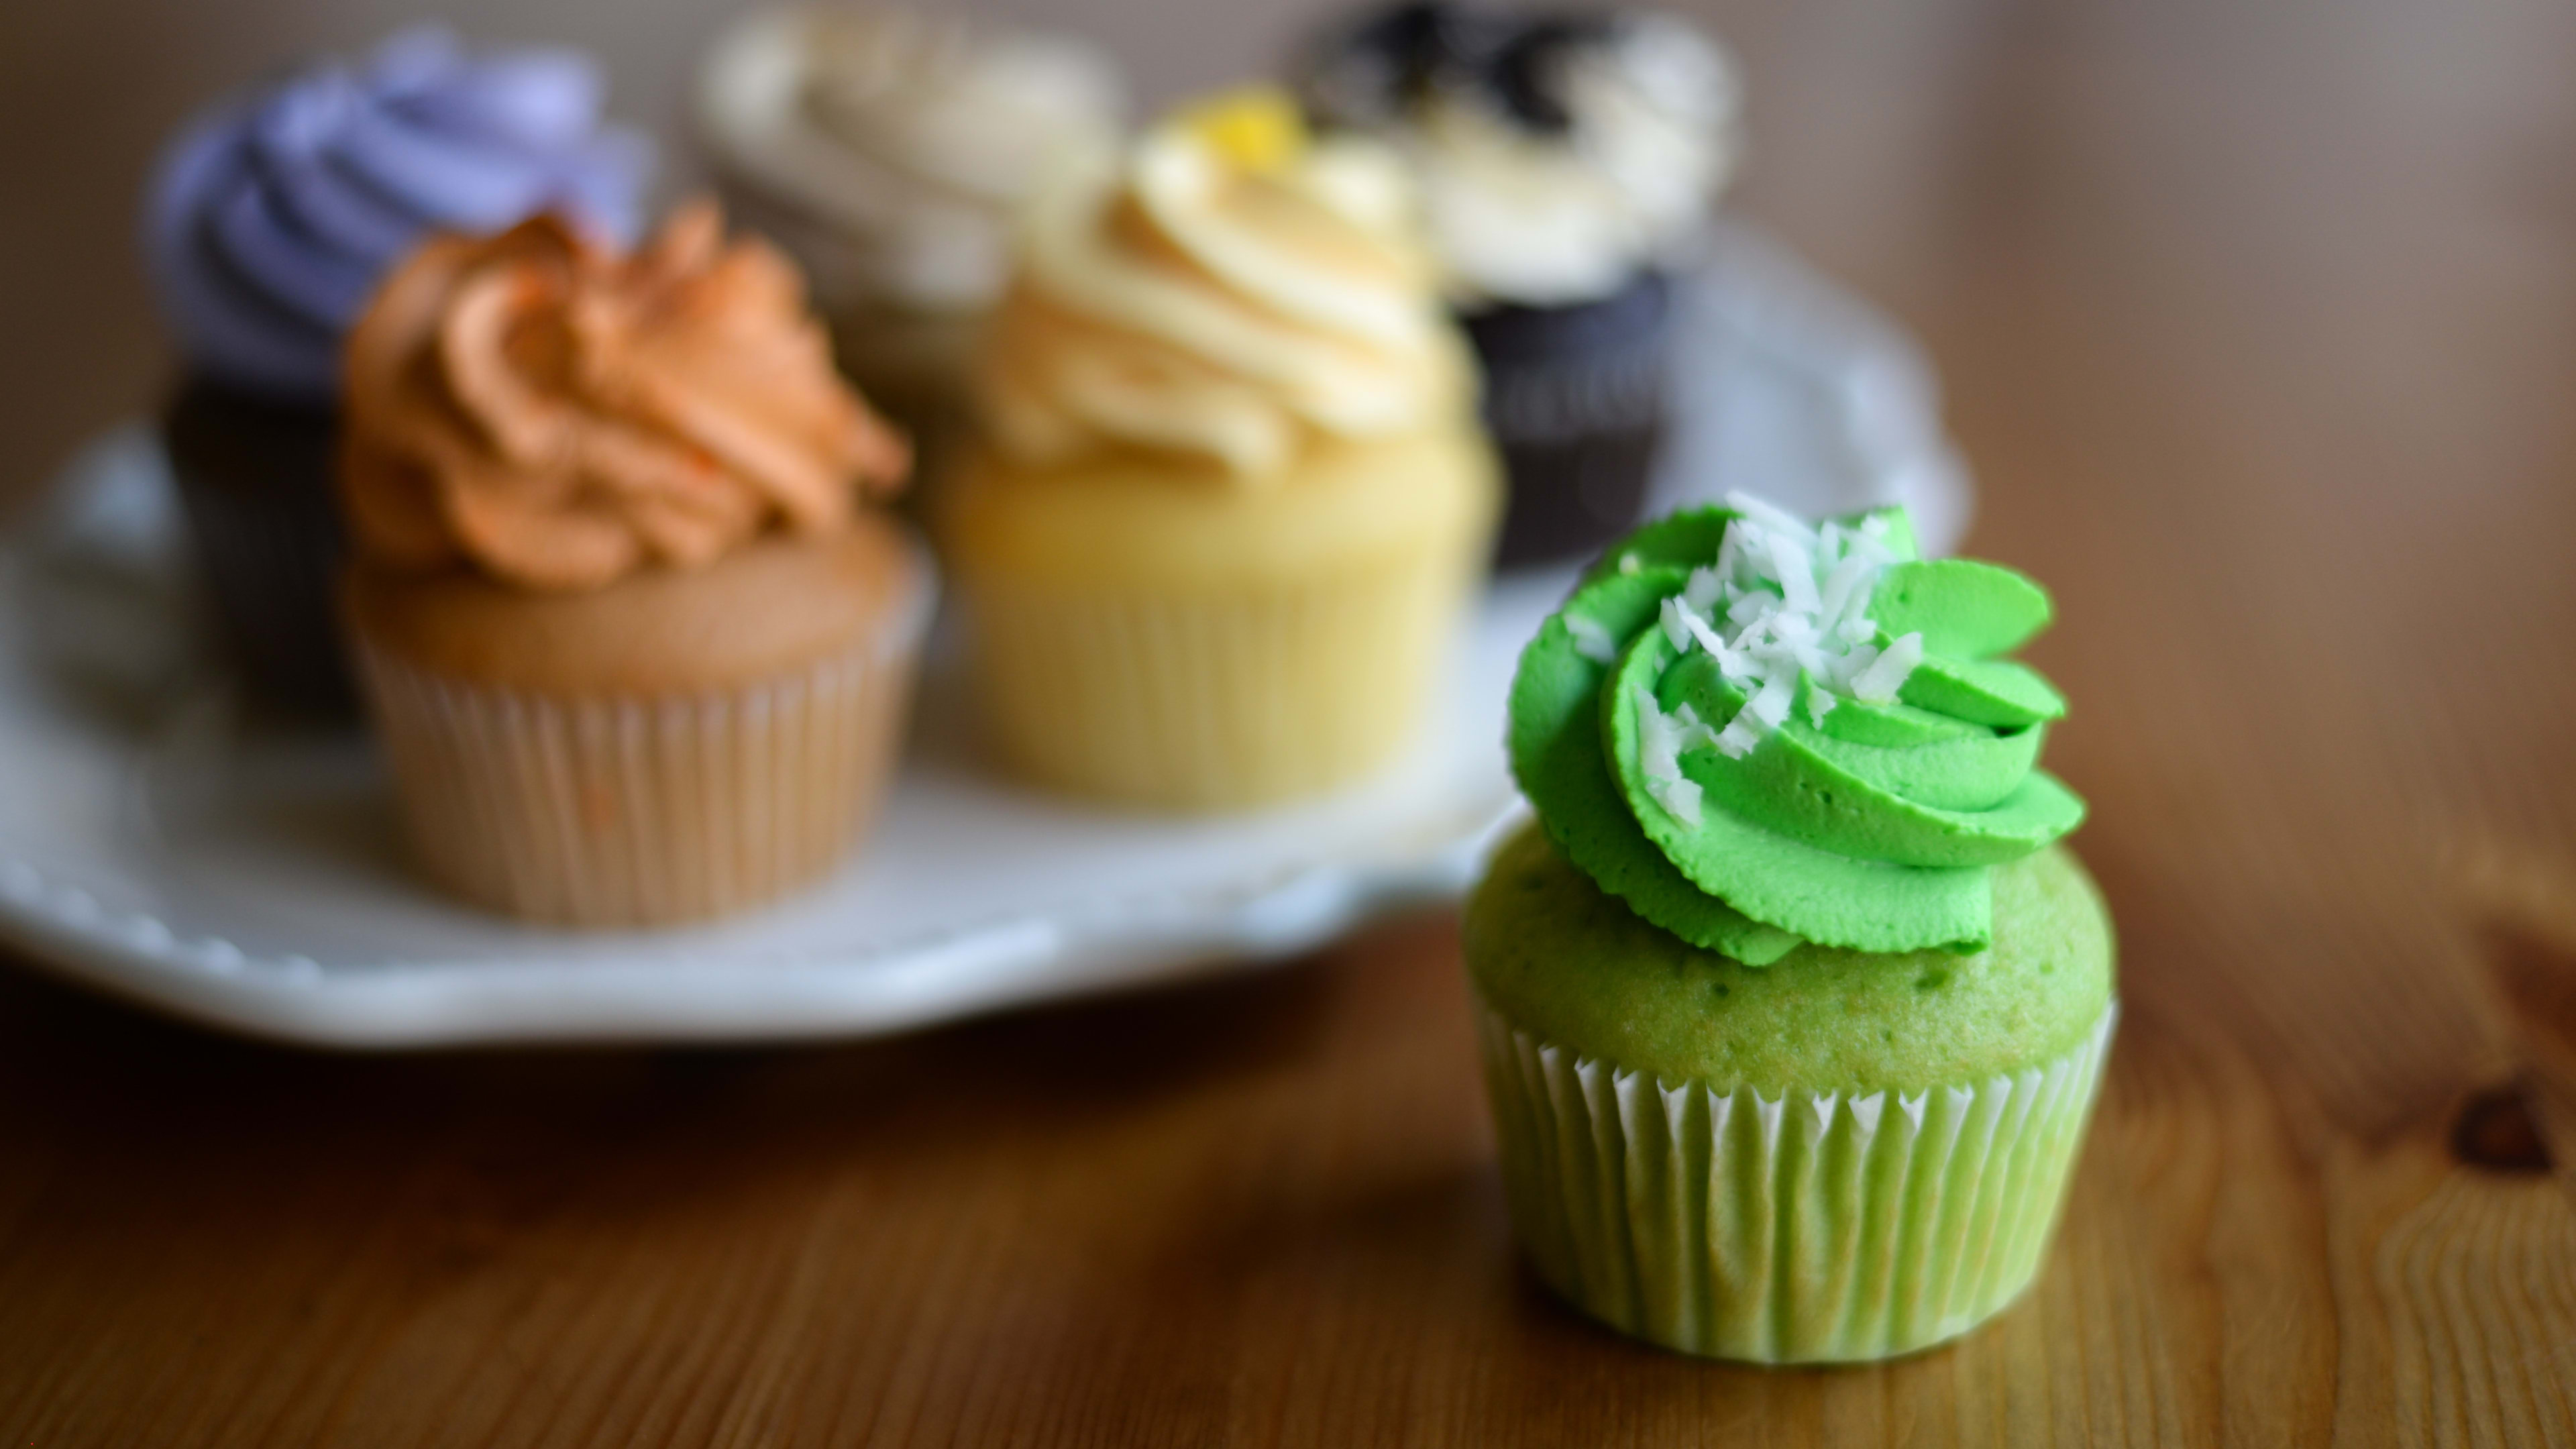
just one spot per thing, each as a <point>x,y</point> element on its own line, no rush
<point>563,416</point>
<point>582,485</point>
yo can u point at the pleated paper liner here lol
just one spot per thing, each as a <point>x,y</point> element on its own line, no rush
<point>1575,400</point>
<point>253,482</point>
<point>606,812</point>
<point>1214,701</point>
<point>1801,1228</point>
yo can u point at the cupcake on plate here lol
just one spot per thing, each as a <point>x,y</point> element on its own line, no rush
<point>636,646</point>
<point>1230,497</point>
<point>888,151</point>
<point>1564,161</point>
<point>268,223</point>
<point>1792,1008</point>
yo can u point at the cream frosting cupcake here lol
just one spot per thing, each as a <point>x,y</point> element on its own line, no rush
<point>1230,495</point>
<point>889,152</point>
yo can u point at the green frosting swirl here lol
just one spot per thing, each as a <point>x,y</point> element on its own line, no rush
<point>1728,726</point>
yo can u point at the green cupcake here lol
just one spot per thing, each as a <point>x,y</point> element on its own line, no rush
<point>1792,1011</point>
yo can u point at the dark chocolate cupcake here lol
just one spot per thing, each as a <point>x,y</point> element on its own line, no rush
<point>254,477</point>
<point>268,223</point>
<point>1564,160</point>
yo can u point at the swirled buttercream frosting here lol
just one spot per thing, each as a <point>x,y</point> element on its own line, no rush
<point>889,151</point>
<point>1228,291</point>
<point>270,219</point>
<point>1557,154</point>
<point>1757,732</point>
<point>560,414</point>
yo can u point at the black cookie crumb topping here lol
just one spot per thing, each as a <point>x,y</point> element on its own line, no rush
<point>1397,58</point>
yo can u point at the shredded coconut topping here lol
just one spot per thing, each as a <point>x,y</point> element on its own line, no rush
<point>1591,639</point>
<point>1783,599</point>
<point>1661,739</point>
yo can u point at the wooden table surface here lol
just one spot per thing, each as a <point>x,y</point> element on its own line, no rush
<point>2259,325</point>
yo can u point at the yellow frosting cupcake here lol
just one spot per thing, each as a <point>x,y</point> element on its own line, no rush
<point>1230,496</point>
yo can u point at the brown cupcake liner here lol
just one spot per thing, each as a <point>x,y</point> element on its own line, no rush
<point>1578,440</point>
<point>1568,400</point>
<point>254,486</point>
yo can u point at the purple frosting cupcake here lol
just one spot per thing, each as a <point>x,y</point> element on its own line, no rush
<point>271,218</point>
<point>267,225</point>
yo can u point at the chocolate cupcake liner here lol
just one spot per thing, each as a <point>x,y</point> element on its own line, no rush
<point>1558,403</point>
<point>254,484</point>
<point>1573,498</point>
<point>1214,701</point>
<point>1575,400</point>
<point>1799,1227</point>
<point>600,812</point>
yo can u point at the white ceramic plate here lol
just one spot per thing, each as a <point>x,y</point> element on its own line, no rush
<point>155,844</point>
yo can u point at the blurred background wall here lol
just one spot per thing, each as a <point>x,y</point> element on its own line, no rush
<point>89,88</point>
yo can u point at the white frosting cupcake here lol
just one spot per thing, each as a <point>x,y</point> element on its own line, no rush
<point>890,153</point>
<point>1557,158</point>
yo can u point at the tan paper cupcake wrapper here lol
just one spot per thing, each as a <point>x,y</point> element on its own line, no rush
<point>637,812</point>
<point>1213,701</point>
<point>1801,1228</point>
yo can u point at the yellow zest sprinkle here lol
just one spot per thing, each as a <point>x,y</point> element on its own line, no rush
<point>1258,128</point>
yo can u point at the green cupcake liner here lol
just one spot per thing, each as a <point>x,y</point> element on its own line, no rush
<point>1808,1227</point>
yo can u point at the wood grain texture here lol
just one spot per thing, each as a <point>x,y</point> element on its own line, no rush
<point>2259,326</point>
